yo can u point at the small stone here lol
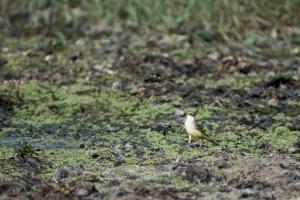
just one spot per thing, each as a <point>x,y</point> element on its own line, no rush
<point>179,113</point>
<point>81,146</point>
<point>196,174</point>
<point>132,175</point>
<point>82,192</point>
<point>284,164</point>
<point>295,148</point>
<point>61,173</point>
<point>95,155</point>
<point>75,56</point>
<point>114,183</point>
<point>78,168</point>
<point>117,85</point>
<point>273,103</point>
<point>80,42</point>
<point>116,152</point>
<point>49,58</point>
<point>128,146</point>
<point>5,49</point>
<point>213,56</point>
<point>103,69</point>
<point>247,193</point>
<point>26,53</point>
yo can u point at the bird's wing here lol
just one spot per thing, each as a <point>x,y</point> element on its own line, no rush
<point>198,134</point>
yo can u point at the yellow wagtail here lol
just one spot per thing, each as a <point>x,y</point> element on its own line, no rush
<point>193,132</point>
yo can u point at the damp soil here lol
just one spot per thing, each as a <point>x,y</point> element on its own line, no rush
<point>103,118</point>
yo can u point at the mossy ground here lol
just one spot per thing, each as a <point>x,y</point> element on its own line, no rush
<point>110,105</point>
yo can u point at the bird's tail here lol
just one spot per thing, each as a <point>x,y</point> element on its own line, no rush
<point>211,140</point>
<point>214,142</point>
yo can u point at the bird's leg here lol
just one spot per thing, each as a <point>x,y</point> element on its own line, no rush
<point>190,139</point>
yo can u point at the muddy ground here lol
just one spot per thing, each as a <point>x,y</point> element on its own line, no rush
<point>102,118</point>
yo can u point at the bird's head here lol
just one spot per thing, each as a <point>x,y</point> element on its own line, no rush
<point>191,114</point>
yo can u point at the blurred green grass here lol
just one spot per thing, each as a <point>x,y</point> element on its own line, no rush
<point>225,18</point>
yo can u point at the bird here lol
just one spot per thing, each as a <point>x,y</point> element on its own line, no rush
<point>193,132</point>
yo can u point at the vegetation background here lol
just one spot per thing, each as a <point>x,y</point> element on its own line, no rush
<point>93,95</point>
<point>227,19</point>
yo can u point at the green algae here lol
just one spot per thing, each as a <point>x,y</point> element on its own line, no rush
<point>234,81</point>
<point>90,111</point>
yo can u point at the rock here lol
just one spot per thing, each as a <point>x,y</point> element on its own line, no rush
<point>132,176</point>
<point>5,50</point>
<point>214,56</point>
<point>284,164</point>
<point>114,183</point>
<point>273,103</point>
<point>196,174</point>
<point>93,154</point>
<point>179,113</point>
<point>81,192</point>
<point>60,173</point>
<point>117,85</point>
<point>293,176</point>
<point>294,186</point>
<point>103,69</point>
<point>264,145</point>
<point>116,152</point>
<point>128,146</point>
<point>49,58</point>
<point>247,193</point>
<point>295,148</point>
<point>75,56</point>
<point>81,146</point>
<point>80,42</point>
<point>163,128</point>
<point>78,169</point>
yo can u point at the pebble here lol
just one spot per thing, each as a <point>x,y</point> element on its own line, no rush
<point>247,193</point>
<point>295,148</point>
<point>273,103</point>
<point>82,192</point>
<point>93,154</point>
<point>284,164</point>
<point>102,68</point>
<point>114,183</point>
<point>75,56</point>
<point>128,146</point>
<point>80,42</point>
<point>49,58</point>
<point>213,56</point>
<point>132,175</point>
<point>179,113</point>
<point>61,173</point>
